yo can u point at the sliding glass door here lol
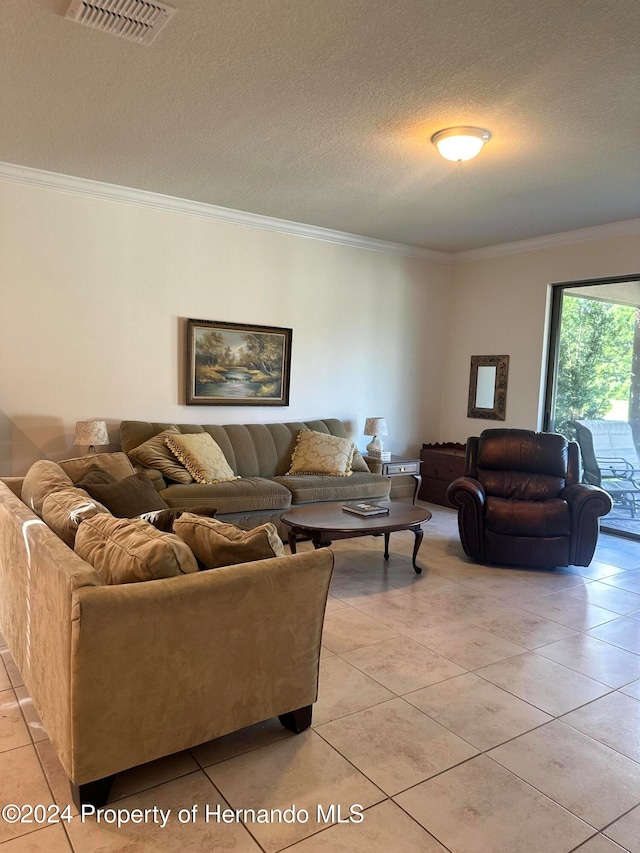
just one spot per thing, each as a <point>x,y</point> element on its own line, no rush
<point>593,388</point>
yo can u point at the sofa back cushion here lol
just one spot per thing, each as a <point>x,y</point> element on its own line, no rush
<point>116,464</point>
<point>64,509</point>
<point>252,450</point>
<point>127,550</point>
<point>43,478</point>
<point>217,544</point>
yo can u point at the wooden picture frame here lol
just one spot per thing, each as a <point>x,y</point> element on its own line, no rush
<point>237,364</point>
<point>488,387</point>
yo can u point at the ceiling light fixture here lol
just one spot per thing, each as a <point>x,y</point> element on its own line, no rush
<point>460,143</point>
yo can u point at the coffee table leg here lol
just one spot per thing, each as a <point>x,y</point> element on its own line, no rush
<point>292,541</point>
<point>321,543</point>
<point>386,545</point>
<point>418,534</point>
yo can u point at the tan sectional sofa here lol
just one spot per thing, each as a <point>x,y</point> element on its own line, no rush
<point>261,455</point>
<point>124,674</point>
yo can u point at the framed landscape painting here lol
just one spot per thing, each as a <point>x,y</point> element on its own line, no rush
<point>234,364</point>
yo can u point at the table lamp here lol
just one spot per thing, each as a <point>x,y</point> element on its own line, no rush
<point>91,434</point>
<point>375,427</point>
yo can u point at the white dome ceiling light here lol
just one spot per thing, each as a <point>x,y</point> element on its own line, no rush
<point>460,143</point>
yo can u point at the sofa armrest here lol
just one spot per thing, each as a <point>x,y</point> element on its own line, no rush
<point>164,665</point>
<point>587,504</point>
<point>14,483</point>
<point>154,475</point>
<point>468,496</point>
<point>374,464</point>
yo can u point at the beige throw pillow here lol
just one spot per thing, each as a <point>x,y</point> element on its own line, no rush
<point>201,456</point>
<point>63,510</point>
<point>217,544</point>
<point>127,550</point>
<point>43,478</point>
<point>154,453</point>
<point>318,453</point>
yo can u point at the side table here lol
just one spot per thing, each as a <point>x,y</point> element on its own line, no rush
<point>441,465</point>
<point>400,466</point>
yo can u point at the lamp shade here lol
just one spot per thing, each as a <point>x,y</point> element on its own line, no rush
<point>91,433</point>
<point>375,426</point>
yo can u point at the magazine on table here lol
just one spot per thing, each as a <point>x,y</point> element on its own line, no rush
<point>365,509</point>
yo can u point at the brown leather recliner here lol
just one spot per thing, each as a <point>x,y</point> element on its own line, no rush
<point>521,502</point>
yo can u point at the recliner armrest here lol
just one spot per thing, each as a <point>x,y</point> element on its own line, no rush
<point>465,485</point>
<point>468,495</point>
<point>580,495</point>
<point>587,504</point>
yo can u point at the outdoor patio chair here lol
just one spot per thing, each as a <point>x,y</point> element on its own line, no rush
<point>610,460</point>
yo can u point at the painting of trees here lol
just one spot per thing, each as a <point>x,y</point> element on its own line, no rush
<point>237,364</point>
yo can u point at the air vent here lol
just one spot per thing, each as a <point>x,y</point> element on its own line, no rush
<point>136,20</point>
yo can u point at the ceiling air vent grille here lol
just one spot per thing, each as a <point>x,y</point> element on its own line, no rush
<point>135,20</point>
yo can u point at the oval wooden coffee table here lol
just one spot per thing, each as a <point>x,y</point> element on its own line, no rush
<point>325,522</point>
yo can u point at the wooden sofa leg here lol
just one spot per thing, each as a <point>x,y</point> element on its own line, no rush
<point>297,721</point>
<point>92,793</point>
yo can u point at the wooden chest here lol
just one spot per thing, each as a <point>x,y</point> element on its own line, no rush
<point>440,465</point>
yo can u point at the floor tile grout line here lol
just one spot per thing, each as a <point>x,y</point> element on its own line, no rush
<point>555,716</point>
<point>595,739</point>
<point>583,843</point>
<point>531,785</point>
<point>506,769</point>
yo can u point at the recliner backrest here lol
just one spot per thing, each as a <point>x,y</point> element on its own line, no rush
<point>522,464</point>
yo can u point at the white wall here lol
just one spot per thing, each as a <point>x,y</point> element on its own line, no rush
<point>499,306</point>
<point>94,293</point>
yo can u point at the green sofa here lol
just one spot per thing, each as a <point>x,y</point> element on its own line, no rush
<point>261,455</point>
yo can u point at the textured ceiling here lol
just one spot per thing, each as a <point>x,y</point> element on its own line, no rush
<point>321,111</point>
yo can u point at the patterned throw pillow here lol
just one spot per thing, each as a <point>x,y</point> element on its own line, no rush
<point>318,453</point>
<point>216,543</point>
<point>154,453</point>
<point>201,456</point>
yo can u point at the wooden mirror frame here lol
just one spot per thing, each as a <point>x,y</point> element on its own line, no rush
<point>499,408</point>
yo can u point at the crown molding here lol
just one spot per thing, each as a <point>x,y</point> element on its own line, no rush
<point>564,238</point>
<point>128,195</point>
<point>143,198</point>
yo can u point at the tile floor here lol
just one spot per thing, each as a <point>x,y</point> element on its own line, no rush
<point>471,709</point>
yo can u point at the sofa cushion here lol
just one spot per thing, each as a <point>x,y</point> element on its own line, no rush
<point>129,497</point>
<point>162,519</point>
<point>217,544</point>
<point>241,495</point>
<point>318,453</point>
<point>41,479</point>
<point>155,454</point>
<point>201,456</point>
<point>312,488</point>
<point>512,517</point>
<point>127,550</point>
<point>117,464</point>
<point>96,475</point>
<point>64,509</point>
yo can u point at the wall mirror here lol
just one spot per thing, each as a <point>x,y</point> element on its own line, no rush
<point>488,387</point>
